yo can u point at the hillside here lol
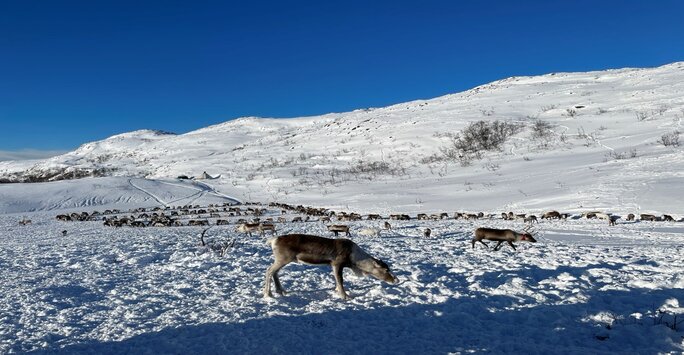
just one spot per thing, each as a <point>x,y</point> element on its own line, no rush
<point>601,150</point>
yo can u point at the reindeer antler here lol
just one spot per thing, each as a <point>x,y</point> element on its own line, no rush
<point>202,236</point>
<point>530,230</point>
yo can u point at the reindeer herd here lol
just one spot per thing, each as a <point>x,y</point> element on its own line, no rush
<point>312,249</point>
<point>249,218</point>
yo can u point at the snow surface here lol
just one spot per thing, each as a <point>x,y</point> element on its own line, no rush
<point>584,287</point>
<point>156,290</point>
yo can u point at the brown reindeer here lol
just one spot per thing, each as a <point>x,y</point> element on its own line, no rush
<point>336,228</point>
<point>500,236</point>
<point>315,250</point>
<point>648,217</point>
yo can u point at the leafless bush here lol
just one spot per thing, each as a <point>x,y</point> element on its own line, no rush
<point>641,115</point>
<point>541,130</point>
<point>570,112</point>
<point>670,139</point>
<point>548,108</point>
<point>614,155</point>
<point>434,158</point>
<point>601,111</point>
<point>487,112</point>
<point>477,138</point>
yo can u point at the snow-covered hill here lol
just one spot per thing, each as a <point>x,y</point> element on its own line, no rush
<point>602,150</point>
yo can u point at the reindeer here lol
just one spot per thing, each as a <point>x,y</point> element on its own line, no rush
<point>531,219</point>
<point>427,232</point>
<point>336,228</point>
<point>263,227</point>
<point>315,250</point>
<point>248,228</point>
<point>388,226</point>
<point>630,217</point>
<point>613,220</point>
<point>666,218</point>
<point>648,217</point>
<point>500,236</point>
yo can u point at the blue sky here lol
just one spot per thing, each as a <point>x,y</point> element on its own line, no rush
<point>77,71</point>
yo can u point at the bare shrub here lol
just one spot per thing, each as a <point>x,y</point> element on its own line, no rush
<point>479,137</point>
<point>670,139</point>
<point>570,112</point>
<point>546,108</point>
<point>641,115</point>
<point>541,130</point>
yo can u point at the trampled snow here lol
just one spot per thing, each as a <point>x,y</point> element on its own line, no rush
<point>585,287</point>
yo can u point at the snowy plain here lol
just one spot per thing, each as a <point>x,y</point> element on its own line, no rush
<point>585,287</point>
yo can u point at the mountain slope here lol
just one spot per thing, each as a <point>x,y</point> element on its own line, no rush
<point>601,150</point>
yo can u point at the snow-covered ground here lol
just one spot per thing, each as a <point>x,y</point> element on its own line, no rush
<point>583,288</point>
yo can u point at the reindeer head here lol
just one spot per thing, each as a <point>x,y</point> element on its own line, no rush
<point>528,238</point>
<point>378,269</point>
<point>527,233</point>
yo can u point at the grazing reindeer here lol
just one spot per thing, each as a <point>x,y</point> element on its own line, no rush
<point>388,226</point>
<point>427,232</point>
<point>531,219</point>
<point>263,227</point>
<point>500,236</point>
<point>336,228</point>
<point>648,217</point>
<point>311,249</point>
<point>630,217</point>
<point>666,218</point>
<point>248,228</point>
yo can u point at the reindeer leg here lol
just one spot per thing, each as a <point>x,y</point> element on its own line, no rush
<point>279,288</point>
<point>498,245</point>
<point>511,244</point>
<point>271,273</point>
<point>267,284</point>
<point>483,243</point>
<point>337,271</point>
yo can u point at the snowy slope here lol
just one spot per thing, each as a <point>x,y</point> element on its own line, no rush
<point>595,117</point>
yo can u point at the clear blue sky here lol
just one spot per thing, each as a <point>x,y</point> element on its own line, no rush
<point>77,71</point>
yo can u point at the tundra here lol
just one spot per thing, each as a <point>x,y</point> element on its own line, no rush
<point>500,236</point>
<point>315,250</point>
<point>336,228</point>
